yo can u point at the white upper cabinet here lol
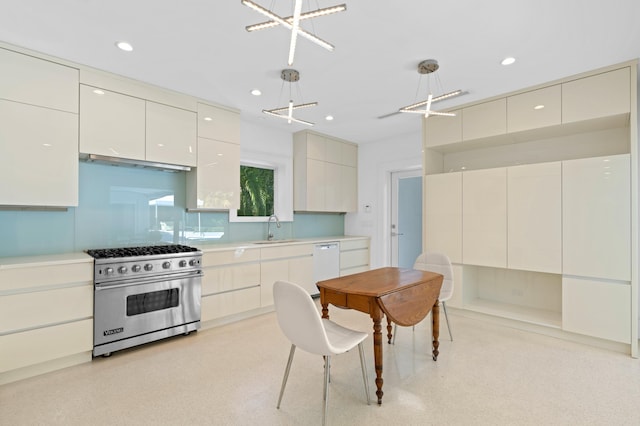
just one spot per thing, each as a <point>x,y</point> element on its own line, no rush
<point>215,182</point>
<point>171,135</point>
<point>535,217</point>
<point>484,217</point>
<point>325,174</point>
<point>39,160</point>
<point>535,109</point>
<point>596,217</point>
<point>218,124</point>
<point>38,132</point>
<point>35,81</point>
<point>443,214</point>
<point>111,124</point>
<point>439,130</point>
<point>484,120</point>
<point>601,95</point>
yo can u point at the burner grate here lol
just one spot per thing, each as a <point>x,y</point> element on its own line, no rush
<point>140,251</point>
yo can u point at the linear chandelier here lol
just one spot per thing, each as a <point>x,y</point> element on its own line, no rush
<point>292,23</point>
<point>428,67</point>
<point>290,76</point>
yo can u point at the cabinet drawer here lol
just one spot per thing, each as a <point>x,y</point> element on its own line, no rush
<point>346,245</point>
<point>44,344</point>
<point>597,308</point>
<point>353,270</point>
<point>600,95</point>
<point>45,275</point>
<point>27,310</point>
<point>484,120</point>
<point>353,258</point>
<point>295,250</point>
<point>34,81</point>
<point>226,278</point>
<point>535,109</point>
<point>239,255</point>
<point>233,302</point>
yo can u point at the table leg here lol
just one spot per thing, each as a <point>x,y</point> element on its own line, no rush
<point>389,328</point>
<point>435,329</point>
<point>325,310</point>
<point>377,354</point>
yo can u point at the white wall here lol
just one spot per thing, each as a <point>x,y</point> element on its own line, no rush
<point>376,161</point>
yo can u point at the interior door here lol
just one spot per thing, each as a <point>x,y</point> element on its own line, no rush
<point>406,217</point>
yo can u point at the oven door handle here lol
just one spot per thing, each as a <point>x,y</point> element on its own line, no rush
<point>163,278</point>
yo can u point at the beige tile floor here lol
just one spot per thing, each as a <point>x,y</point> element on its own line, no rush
<point>231,375</point>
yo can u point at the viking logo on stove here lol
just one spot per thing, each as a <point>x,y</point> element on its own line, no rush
<point>113,331</point>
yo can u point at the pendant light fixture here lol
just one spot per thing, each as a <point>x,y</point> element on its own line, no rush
<point>292,23</point>
<point>291,76</point>
<point>428,67</point>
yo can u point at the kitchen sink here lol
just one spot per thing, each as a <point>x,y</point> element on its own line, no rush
<point>274,241</point>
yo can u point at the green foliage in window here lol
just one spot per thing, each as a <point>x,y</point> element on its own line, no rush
<point>256,191</point>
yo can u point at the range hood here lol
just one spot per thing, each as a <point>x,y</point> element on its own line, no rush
<point>125,162</point>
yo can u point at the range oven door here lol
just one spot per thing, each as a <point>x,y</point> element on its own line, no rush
<point>129,309</point>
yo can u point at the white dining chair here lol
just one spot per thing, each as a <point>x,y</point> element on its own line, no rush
<point>438,263</point>
<point>302,324</point>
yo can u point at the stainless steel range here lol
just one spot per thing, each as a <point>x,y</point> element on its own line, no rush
<point>144,294</point>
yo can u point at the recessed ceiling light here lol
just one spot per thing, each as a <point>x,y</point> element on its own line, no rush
<point>329,117</point>
<point>123,45</point>
<point>256,92</point>
<point>538,107</point>
<point>508,61</point>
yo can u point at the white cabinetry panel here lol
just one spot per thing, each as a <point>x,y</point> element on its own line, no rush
<point>111,124</point>
<point>39,161</point>
<point>443,214</point>
<point>218,124</point>
<point>170,135</point>
<point>535,109</point>
<point>596,217</point>
<point>535,217</point>
<point>597,308</point>
<point>484,217</point>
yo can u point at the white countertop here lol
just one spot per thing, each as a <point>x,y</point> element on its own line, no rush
<point>81,257</point>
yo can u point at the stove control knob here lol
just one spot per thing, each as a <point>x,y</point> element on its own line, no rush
<point>108,271</point>
<point>166,265</point>
<point>136,268</point>
<point>192,262</point>
<point>148,267</point>
<point>122,269</point>
<point>183,263</point>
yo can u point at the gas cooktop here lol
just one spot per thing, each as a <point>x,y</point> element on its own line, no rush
<point>122,252</point>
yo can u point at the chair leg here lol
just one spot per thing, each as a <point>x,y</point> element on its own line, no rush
<point>327,366</point>
<point>286,373</point>
<point>444,308</point>
<point>363,364</point>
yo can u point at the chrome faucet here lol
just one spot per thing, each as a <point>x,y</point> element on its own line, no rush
<point>269,233</point>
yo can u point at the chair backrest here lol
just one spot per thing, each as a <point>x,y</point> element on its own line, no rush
<point>439,263</point>
<point>299,318</point>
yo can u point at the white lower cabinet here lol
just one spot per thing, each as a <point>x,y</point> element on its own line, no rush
<point>287,263</point>
<point>354,256</point>
<point>597,308</point>
<point>230,282</point>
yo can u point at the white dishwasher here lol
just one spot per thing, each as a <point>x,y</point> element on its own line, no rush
<point>326,263</point>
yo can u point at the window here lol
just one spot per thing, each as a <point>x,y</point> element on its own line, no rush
<point>256,191</point>
<point>273,175</point>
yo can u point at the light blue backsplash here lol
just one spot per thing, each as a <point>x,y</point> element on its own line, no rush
<point>123,206</point>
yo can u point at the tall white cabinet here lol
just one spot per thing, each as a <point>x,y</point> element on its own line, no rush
<point>39,122</point>
<point>538,207</point>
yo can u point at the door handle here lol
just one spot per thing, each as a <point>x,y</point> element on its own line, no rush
<point>396,234</point>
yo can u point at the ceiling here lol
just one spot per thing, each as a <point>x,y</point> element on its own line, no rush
<point>201,47</point>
